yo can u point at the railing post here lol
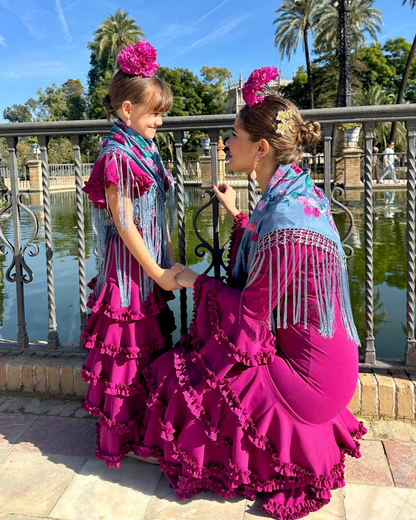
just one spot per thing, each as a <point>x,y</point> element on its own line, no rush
<point>76,142</point>
<point>251,195</point>
<point>180,191</point>
<point>53,338</point>
<point>410,354</point>
<point>22,336</point>
<point>213,135</point>
<point>327,131</point>
<point>370,352</point>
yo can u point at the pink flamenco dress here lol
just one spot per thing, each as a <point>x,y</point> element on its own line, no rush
<point>130,321</point>
<point>255,401</point>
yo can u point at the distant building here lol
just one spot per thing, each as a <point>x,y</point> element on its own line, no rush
<point>235,98</point>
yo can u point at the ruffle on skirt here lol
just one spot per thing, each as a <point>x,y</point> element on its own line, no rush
<point>210,432</point>
<point>120,343</point>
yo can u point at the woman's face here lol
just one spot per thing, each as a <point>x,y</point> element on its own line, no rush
<point>242,150</point>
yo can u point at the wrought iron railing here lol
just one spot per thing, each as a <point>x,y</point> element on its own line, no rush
<point>328,118</point>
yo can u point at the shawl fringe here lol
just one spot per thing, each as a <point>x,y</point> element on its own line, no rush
<point>330,278</point>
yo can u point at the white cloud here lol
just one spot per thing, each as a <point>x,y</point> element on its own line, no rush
<point>215,35</point>
<point>62,19</point>
<point>212,11</point>
<point>2,41</point>
<point>33,70</point>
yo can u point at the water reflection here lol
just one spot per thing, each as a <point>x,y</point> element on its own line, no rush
<point>389,265</point>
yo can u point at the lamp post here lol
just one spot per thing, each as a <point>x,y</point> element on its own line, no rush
<point>344,97</point>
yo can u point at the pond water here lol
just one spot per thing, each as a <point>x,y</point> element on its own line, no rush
<point>389,266</point>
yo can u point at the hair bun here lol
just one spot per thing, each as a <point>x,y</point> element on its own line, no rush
<point>107,105</point>
<point>309,133</point>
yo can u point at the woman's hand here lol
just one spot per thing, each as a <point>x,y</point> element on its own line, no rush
<point>166,279</point>
<point>187,278</point>
<point>227,196</point>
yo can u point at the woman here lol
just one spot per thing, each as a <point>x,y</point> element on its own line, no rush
<point>255,402</point>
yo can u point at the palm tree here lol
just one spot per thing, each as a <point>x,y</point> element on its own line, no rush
<point>405,76</point>
<point>375,95</point>
<point>364,18</point>
<point>114,33</point>
<point>294,23</point>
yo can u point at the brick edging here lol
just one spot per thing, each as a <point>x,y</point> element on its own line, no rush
<point>381,392</point>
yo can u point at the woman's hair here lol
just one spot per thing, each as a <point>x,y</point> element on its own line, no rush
<point>260,122</point>
<point>152,92</point>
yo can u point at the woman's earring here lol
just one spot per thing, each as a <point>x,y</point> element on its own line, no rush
<point>128,123</point>
<point>253,174</point>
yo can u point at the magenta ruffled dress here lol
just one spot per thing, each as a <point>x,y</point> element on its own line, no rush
<point>120,341</point>
<point>240,409</point>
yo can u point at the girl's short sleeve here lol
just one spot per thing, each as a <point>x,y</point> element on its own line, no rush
<point>107,170</point>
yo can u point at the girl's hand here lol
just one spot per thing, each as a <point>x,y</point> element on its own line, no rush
<point>227,196</point>
<point>166,280</point>
<point>187,278</point>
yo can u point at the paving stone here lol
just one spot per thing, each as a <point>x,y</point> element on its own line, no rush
<point>20,517</point>
<point>59,436</point>
<point>3,455</point>
<point>382,430</point>
<point>400,431</point>
<point>102,493</point>
<point>46,406</point>
<point>371,468</point>
<point>83,414</point>
<point>332,511</point>
<point>32,483</point>
<point>411,427</point>
<point>17,404</point>
<point>204,506</point>
<point>12,427</point>
<point>379,503</point>
<point>402,459</point>
<point>69,408</point>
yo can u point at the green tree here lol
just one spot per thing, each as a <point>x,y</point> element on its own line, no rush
<point>294,24</point>
<point>215,94</point>
<point>298,90</point>
<point>187,91</point>
<point>76,99</point>
<point>364,19</point>
<point>17,114</point>
<point>114,33</point>
<point>376,70</point>
<point>405,75</point>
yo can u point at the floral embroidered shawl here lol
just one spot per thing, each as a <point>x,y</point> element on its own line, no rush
<point>149,210</point>
<point>294,212</point>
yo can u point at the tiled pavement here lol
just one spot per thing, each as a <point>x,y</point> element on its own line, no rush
<point>48,470</point>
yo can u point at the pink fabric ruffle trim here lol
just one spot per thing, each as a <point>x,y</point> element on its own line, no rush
<point>105,172</point>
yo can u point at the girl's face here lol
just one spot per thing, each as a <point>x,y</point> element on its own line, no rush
<point>145,122</point>
<point>242,150</point>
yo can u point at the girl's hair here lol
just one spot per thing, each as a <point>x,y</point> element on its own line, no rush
<point>260,122</point>
<point>152,92</point>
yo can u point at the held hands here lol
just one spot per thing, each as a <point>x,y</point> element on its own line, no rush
<point>167,281</point>
<point>186,278</point>
<point>226,196</point>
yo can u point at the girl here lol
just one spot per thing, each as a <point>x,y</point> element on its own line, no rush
<point>129,316</point>
<point>256,402</point>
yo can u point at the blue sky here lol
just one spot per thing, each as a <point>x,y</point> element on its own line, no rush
<point>45,41</point>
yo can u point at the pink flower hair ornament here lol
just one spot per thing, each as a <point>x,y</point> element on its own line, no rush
<point>253,89</point>
<point>139,60</point>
